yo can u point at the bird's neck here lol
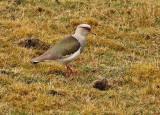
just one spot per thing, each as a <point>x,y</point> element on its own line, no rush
<point>81,39</point>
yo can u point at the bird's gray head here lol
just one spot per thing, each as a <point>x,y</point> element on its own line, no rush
<point>83,29</point>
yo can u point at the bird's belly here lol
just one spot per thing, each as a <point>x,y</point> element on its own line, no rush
<point>69,58</point>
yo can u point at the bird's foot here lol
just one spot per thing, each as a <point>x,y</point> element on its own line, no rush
<point>70,72</point>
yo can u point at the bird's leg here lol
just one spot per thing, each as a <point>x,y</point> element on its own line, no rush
<point>69,70</point>
<point>72,72</point>
<point>67,73</point>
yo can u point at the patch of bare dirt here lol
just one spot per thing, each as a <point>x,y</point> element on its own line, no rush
<point>34,43</point>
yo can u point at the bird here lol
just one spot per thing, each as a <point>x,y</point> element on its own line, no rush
<point>67,49</point>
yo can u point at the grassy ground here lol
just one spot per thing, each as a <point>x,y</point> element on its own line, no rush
<point>126,51</point>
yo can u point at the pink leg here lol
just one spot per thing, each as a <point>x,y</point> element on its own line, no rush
<point>69,71</point>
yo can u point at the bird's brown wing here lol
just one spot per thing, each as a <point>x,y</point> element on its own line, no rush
<point>61,49</point>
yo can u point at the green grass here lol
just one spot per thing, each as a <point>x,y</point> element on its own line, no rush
<point>125,52</point>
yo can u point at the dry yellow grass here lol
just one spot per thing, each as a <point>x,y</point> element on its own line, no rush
<point>126,51</point>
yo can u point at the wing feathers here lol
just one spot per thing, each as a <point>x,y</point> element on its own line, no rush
<point>63,48</point>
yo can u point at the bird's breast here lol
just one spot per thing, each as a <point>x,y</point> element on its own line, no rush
<point>71,57</point>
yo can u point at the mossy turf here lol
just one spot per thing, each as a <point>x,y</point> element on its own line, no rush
<point>126,52</point>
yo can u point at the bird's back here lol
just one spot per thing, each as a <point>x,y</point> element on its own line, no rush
<point>61,49</point>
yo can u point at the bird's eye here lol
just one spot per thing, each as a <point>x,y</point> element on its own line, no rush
<point>86,28</point>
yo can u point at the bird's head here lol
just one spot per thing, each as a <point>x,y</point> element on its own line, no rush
<point>84,30</point>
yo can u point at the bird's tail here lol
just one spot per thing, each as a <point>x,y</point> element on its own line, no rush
<point>38,59</point>
<point>33,62</point>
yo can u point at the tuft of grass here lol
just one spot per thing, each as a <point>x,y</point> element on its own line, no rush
<point>144,72</point>
<point>92,21</point>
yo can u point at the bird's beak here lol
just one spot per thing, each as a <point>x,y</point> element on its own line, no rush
<point>93,32</point>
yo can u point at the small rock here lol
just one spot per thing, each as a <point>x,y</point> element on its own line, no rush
<point>158,86</point>
<point>16,2</point>
<point>57,1</point>
<point>147,37</point>
<point>101,84</point>
<point>52,92</point>
<point>39,9</point>
<point>4,72</point>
